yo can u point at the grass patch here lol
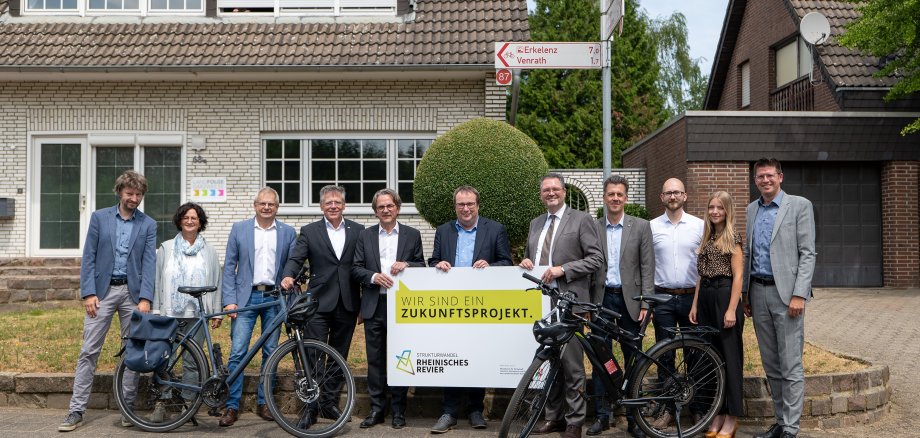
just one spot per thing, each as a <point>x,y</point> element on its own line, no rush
<point>49,339</point>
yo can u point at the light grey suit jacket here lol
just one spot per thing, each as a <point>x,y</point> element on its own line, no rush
<point>637,263</point>
<point>792,247</point>
<point>576,248</point>
<point>239,261</point>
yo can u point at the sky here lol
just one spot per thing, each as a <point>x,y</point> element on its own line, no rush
<point>704,23</point>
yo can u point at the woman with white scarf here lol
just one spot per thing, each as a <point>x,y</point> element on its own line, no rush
<point>186,260</point>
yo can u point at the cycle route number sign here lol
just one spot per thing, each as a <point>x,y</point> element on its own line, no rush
<point>463,328</point>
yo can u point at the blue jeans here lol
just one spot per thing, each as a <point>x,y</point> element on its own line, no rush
<point>616,303</point>
<point>241,334</point>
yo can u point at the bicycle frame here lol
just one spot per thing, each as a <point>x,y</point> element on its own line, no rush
<point>201,323</point>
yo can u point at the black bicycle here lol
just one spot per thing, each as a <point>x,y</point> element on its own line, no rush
<point>308,387</point>
<point>696,381</point>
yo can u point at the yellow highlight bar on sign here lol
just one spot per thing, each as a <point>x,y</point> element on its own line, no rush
<point>467,306</point>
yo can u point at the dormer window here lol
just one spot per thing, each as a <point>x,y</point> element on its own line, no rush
<point>793,60</point>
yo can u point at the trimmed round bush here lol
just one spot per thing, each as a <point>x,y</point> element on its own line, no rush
<point>503,163</point>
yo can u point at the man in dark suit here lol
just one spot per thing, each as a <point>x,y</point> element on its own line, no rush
<point>779,263</point>
<point>116,276</point>
<point>383,251</point>
<point>474,241</point>
<point>257,250</point>
<point>566,241</point>
<point>328,246</point>
<point>628,272</point>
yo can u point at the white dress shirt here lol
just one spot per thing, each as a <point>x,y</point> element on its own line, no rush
<point>387,243</point>
<point>675,250</point>
<point>542,237</point>
<point>336,236</point>
<point>263,267</point>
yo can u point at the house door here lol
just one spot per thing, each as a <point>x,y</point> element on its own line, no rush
<point>74,177</point>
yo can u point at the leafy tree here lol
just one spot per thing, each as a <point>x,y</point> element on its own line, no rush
<point>502,163</point>
<point>889,29</point>
<point>562,109</point>
<point>681,81</point>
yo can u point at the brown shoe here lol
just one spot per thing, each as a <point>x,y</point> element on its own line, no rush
<point>263,412</point>
<point>549,426</point>
<point>230,416</point>
<point>572,431</point>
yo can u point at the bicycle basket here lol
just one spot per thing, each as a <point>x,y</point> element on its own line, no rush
<point>550,331</point>
<point>302,309</point>
<point>149,341</point>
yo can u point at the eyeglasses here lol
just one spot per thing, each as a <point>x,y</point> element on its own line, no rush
<point>386,207</point>
<point>333,203</point>
<point>551,190</point>
<point>766,176</point>
<point>190,218</point>
<point>672,193</point>
<point>462,205</point>
<point>266,204</point>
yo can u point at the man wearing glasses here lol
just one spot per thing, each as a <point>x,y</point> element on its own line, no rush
<point>779,261</point>
<point>476,241</point>
<point>256,251</point>
<point>328,246</point>
<point>383,251</point>
<point>676,237</point>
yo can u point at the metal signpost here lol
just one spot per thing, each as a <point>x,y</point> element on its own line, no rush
<point>611,18</point>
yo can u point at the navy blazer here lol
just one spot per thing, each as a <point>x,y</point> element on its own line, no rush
<point>99,255</point>
<point>491,243</point>
<point>236,284</point>
<point>367,261</point>
<point>330,277</point>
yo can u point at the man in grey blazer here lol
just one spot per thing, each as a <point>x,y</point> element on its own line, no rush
<point>628,271</point>
<point>567,242</point>
<point>116,276</point>
<point>256,252</point>
<point>383,251</point>
<point>779,262</point>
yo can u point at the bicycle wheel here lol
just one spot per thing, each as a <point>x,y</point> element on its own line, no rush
<point>697,386</point>
<point>315,404</point>
<point>526,405</point>
<point>154,401</point>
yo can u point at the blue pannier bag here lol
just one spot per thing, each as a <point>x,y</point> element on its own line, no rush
<point>149,341</point>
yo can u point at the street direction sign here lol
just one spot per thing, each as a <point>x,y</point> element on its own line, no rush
<point>612,18</point>
<point>539,55</point>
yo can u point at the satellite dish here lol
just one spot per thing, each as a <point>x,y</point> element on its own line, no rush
<point>815,28</point>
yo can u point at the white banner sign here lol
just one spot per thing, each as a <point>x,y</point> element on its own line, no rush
<point>465,328</point>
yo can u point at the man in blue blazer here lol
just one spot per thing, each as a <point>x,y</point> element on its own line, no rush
<point>328,245</point>
<point>116,275</point>
<point>779,262</point>
<point>476,241</point>
<point>257,250</point>
<point>397,246</point>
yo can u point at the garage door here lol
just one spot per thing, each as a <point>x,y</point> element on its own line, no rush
<point>848,219</point>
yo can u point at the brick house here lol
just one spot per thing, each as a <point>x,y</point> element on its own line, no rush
<point>822,115</point>
<point>294,94</point>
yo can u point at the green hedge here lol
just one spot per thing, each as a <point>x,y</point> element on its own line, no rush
<point>504,164</point>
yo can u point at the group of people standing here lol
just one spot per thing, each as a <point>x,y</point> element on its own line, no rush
<point>715,276</point>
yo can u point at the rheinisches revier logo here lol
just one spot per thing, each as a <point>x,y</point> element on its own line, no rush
<point>404,362</point>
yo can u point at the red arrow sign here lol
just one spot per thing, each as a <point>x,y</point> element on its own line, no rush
<point>500,54</point>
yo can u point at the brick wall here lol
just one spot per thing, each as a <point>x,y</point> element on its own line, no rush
<point>663,156</point>
<point>705,178</point>
<point>764,24</point>
<point>232,116</point>
<point>900,222</point>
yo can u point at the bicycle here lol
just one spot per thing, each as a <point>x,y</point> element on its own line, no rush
<point>697,380</point>
<point>303,379</point>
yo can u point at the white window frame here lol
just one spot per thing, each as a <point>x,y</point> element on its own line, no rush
<point>745,77</point>
<point>802,54</point>
<point>88,141</point>
<point>325,8</point>
<point>354,207</point>
<point>83,10</point>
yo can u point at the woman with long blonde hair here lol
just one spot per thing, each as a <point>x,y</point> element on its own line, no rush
<point>717,303</point>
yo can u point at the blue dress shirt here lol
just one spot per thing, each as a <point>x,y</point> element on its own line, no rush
<point>614,237</point>
<point>123,229</point>
<point>466,242</point>
<point>761,265</point>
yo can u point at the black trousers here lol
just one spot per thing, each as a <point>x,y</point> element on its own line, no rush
<point>335,328</point>
<point>375,336</point>
<point>713,302</point>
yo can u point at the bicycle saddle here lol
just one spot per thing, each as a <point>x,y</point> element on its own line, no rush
<point>654,299</point>
<point>196,291</point>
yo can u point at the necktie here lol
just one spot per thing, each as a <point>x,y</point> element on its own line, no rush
<point>547,241</point>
